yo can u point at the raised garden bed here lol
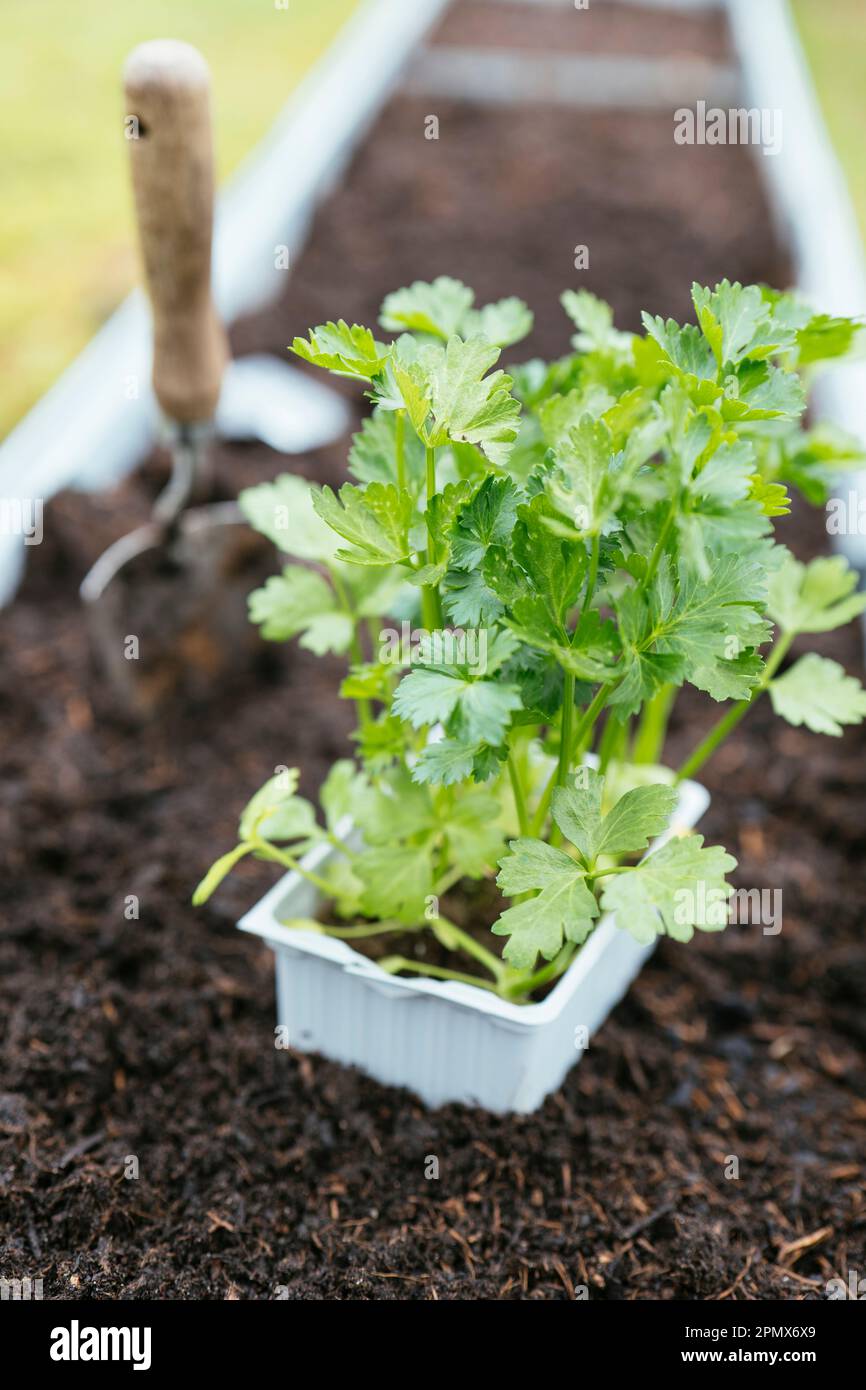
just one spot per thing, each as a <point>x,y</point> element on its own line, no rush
<point>154,1037</point>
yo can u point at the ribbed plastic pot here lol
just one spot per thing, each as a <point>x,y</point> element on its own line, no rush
<point>444,1040</point>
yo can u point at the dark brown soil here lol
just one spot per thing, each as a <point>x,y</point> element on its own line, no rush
<point>153,1038</point>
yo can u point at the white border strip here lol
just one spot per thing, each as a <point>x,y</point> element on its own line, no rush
<point>86,430</point>
<point>811,201</point>
<point>681,5</point>
<point>595,81</point>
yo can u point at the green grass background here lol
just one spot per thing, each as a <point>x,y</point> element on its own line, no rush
<point>834,36</point>
<point>67,244</point>
<point>67,241</point>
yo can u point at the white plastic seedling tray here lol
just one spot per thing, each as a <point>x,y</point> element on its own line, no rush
<point>444,1040</point>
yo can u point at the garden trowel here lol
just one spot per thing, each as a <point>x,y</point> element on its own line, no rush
<point>167,603</point>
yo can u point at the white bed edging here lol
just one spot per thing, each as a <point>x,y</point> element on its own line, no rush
<point>812,205</point>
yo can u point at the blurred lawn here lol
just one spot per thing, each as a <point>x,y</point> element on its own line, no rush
<point>67,245</point>
<point>834,36</point>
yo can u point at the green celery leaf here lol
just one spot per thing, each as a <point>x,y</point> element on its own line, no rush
<point>825,337</point>
<point>675,889</point>
<point>427,697</point>
<point>486,519</point>
<point>445,762</point>
<point>564,909</point>
<point>373,455</point>
<point>439,308</point>
<point>635,819</point>
<point>468,599</point>
<point>376,519</point>
<point>817,597</point>
<point>482,707</point>
<point>284,512</point>
<point>485,711</point>
<point>733,679</point>
<point>739,323</point>
<point>488,762</point>
<point>475,840</point>
<point>504,323</point>
<point>685,629</point>
<point>468,406</point>
<point>344,887</point>
<point>685,348</point>
<point>300,600</point>
<point>540,680</point>
<point>380,741</point>
<point>688,439</point>
<point>442,510</point>
<point>503,576</point>
<point>589,479</point>
<point>368,681</point>
<point>403,384</point>
<point>711,529</point>
<point>444,308</point>
<point>758,391</point>
<point>593,319</point>
<point>276,813</point>
<point>478,653</point>
<point>709,618</point>
<point>589,655</point>
<point>560,414</point>
<point>554,567</point>
<point>400,809</point>
<point>772,498</point>
<point>397,881</point>
<point>345,792</point>
<point>719,514</point>
<point>726,477</point>
<point>351,352</point>
<point>645,673</point>
<point>817,692</point>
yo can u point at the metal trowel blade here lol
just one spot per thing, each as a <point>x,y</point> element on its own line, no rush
<point>168,612</point>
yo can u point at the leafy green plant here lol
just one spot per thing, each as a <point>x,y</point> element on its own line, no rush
<point>579,540</point>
